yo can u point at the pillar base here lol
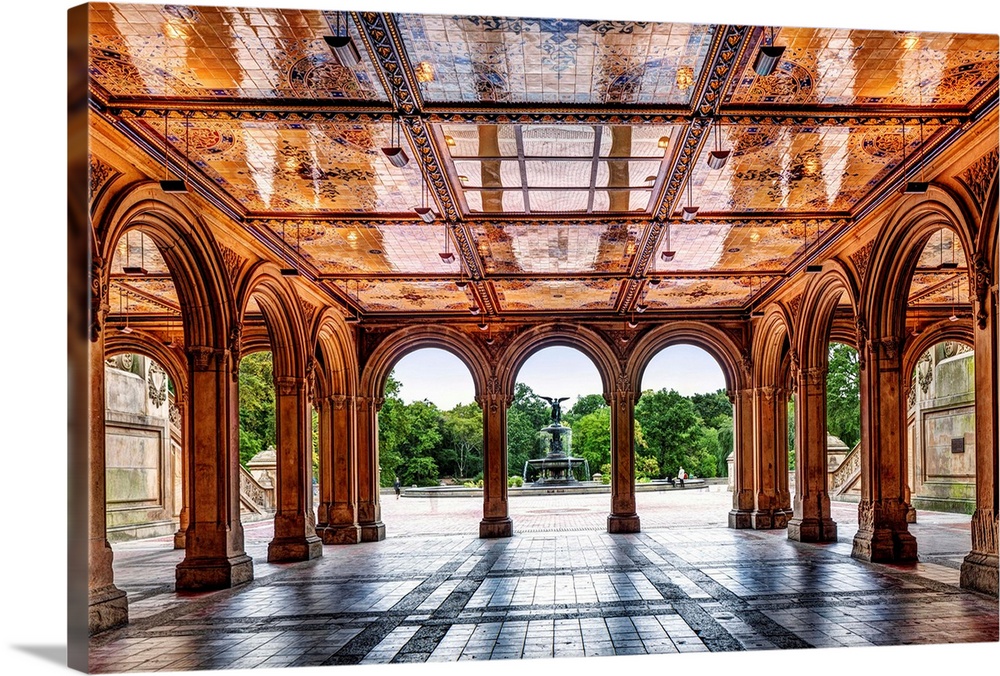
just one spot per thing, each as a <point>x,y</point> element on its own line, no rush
<point>623,524</point>
<point>911,514</point>
<point>884,545</point>
<point>294,549</point>
<point>214,573</point>
<point>980,573</point>
<point>107,609</point>
<point>340,535</point>
<point>812,530</point>
<point>372,532</point>
<point>180,539</point>
<point>767,519</point>
<point>740,518</point>
<point>496,528</point>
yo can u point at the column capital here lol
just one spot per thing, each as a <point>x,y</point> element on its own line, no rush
<point>814,376</point>
<point>207,358</point>
<point>289,385</point>
<point>372,403</point>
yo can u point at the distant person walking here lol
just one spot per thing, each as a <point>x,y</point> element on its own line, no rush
<point>395,487</point>
<point>681,476</point>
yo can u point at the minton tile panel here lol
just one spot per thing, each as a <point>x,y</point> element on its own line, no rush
<point>942,247</point>
<point>869,67</point>
<point>310,166</point>
<point>135,296</point>
<point>512,60</point>
<point>597,294</point>
<point>694,292</point>
<point>394,295</point>
<point>556,249</point>
<point>936,288</point>
<point>209,52</point>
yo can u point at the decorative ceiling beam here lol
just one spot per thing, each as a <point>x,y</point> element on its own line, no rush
<point>432,166</point>
<point>727,45</point>
<point>381,37</point>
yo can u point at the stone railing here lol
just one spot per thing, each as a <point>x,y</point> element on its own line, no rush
<point>253,496</point>
<point>842,477</point>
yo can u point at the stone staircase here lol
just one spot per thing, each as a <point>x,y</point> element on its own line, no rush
<point>845,481</point>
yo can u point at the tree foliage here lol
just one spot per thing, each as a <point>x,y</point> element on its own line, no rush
<point>256,394</point>
<point>592,438</point>
<point>843,394</point>
<point>525,417</point>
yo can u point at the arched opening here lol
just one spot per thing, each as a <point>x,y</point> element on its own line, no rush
<point>843,422</point>
<point>258,442</point>
<point>684,430</point>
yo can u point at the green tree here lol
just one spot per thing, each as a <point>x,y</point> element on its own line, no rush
<point>791,433</point>
<point>256,393</point>
<point>525,417</point>
<point>714,408</point>
<point>584,405</point>
<point>592,437</point>
<point>463,428</point>
<point>674,435</point>
<point>726,447</point>
<point>843,394</point>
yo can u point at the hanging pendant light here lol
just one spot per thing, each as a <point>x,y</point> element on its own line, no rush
<point>690,212</point>
<point>121,292</point>
<point>343,46</point>
<point>811,268</point>
<point>917,187</point>
<point>768,57</point>
<point>394,151</point>
<point>718,157</point>
<point>447,256</point>
<point>173,185</point>
<point>668,254</point>
<point>131,270</point>
<point>947,265</point>
<point>292,271</point>
<point>424,211</point>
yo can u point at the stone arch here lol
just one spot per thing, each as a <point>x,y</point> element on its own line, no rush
<point>718,344</point>
<point>938,332</point>
<point>537,338</point>
<point>279,304</point>
<point>819,305</point>
<point>895,252</point>
<point>333,343</point>
<point>410,339</point>
<point>190,252</point>
<point>140,342</point>
<point>770,336</point>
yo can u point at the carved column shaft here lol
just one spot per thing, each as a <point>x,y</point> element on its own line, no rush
<point>980,568</point>
<point>295,536</point>
<point>496,520</point>
<point>180,537</point>
<point>369,509</point>
<point>882,529</point>
<point>623,517</point>
<point>811,521</point>
<point>214,554</point>
<point>768,460</point>
<point>743,465</point>
<point>107,605</point>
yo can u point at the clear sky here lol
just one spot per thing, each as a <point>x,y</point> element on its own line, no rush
<point>440,377</point>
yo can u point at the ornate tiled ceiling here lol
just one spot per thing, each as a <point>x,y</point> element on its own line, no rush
<point>555,155</point>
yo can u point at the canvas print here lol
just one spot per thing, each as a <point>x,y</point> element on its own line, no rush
<point>402,337</point>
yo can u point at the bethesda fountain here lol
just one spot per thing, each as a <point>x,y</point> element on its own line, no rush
<point>557,467</point>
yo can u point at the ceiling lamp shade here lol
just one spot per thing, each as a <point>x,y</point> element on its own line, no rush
<point>344,49</point>
<point>474,309</point>
<point>655,281</point>
<point>767,59</point>
<point>425,213</point>
<point>688,214</point>
<point>483,326</point>
<point>813,268</point>
<point>461,283</point>
<point>447,256</point>
<point>289,272</point>
<point>717,158</point>
<point>632,324</point>
<point>641,307</point>
<point>128,329</point>
<point>133,270</point>
<point>173,185</point>
<point>915,188</point>
<point>663,142</point>
<point>757,313</point>
<point>396,156</point>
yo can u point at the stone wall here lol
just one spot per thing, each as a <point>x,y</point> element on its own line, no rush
<point>941,439</point>
<point>142,459</point>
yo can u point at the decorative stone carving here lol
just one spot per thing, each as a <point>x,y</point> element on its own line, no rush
<point>861,257</point>
<point>924,372</point>
<point>174,413</point>
<point>312,391</point>
<point>99,307</point>
<point>861,335</point>
<point>747,362</point>
<point>233,261</point>
<point>206,358</point>
<point>976,179</point>
<point>157,379</point>
<point>982,272</point>
<point>100,175</point>
<point>768,393</point>
<point>848,468</point>
<point>308,313</point>
<point>287,385</point>
<point>341,401</point>
<point>235,345</point>
<point>814,376</point>
<point>889,348</point>
<point>795,304</point>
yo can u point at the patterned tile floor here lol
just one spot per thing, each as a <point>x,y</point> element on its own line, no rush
<point>433,592</point>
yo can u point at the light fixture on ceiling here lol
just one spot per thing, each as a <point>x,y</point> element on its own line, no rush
<point>667,254</point>
<point>291,271</point>
<point>343,46</point>
<point>954,300</point>
<point>684,78</point>
<point>128,268</point>
<point>650,180</point>
<point>449,140</point>
<point>916,187</point>
<point>394,151</point>
<point>447,256</point>
<point>489,337</point>
<point>768,57</point>
<point>690,212</point>
<point>461,283</point>
<point>483,326</point>
<point>641,307</point>
<point>663,142</point>
<point>172,185</point>
<point>474,309</point>
<point>717,158</point>
<point>952,264</point>
<point>121,292</point>
<point>427,214</point>
<point>631,323</point>
<point>811,268</point>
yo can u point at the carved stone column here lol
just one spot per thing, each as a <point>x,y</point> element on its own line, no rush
<point>623,517</point>
<point>811,521</point>
<point>214,556</point>
<point>781,469</point>
<point>882,531</point>
<point>295,536</point>
<point>980,567</point>
<point>107,604</point>
<point>496,521</point>
<point>369,509</point>
<point>338,509</point>
<point>768,465</point>
<point>743,467</point>
<point>180,537</point>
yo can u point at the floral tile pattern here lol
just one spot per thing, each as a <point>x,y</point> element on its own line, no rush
<point>597,294</point>
<point>557,249</point>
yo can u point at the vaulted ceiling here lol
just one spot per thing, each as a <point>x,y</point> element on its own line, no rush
<point>556,155</point>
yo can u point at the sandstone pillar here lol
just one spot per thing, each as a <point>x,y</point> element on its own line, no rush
<point>107,604</point>
<point>369,509</point>
<point>623,517</point>
<point>496,521</point>
<point>295,536</point>
<point>768,461</point>
<point>811,521</point>
<point>184,518</point>
<point>214,556</point>
<point>882,531</point>
<point>781,469</point>
<point>338,509</point>
<point>980,567</point>
<point>743,467</point>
